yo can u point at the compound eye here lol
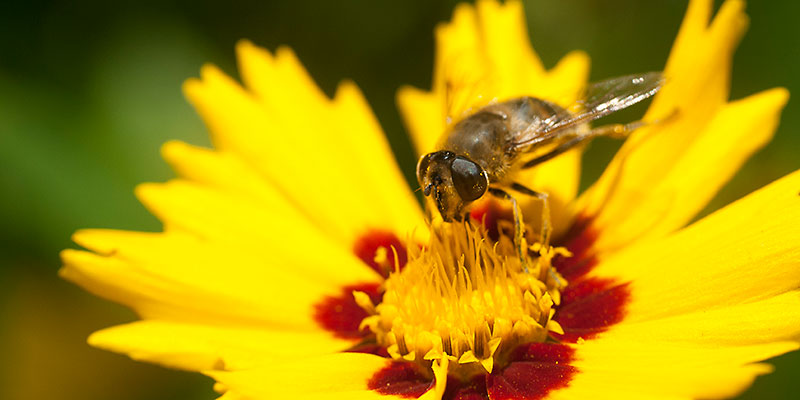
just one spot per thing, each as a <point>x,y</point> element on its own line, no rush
<point>469,179</point>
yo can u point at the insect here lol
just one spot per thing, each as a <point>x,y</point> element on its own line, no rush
<point>481,153</point>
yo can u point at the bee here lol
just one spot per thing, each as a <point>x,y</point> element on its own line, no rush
<point>481,153</point>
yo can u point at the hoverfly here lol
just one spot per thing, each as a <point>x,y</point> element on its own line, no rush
<point>480,154</point>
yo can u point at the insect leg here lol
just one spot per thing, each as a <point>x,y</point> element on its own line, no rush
<point>563,147</point>
<point>547,227</point>
<point>617,131</point>
<point>518,236</point>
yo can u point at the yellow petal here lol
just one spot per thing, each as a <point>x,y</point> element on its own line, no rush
<point>566,81</point>
<point>337,376</point>
<point>627,369</point>
<point>232,396</point>
<point>328,265</point>
<point>227,172</point>
<point>423,116</point>
<point>199,347</point>
<point>156,297</point>
<point>484,55</point>
<point>185,278</point>
<point>508,52</point>
<point>295,137</point>
<point>639,209</point>
<point>253,227</point>
<point>461,76</point>
<point>745,252</point>
<point>281,223</point>
<point>763,321</point>
<point>666,172</point>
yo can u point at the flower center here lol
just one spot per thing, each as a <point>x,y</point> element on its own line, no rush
<point>465,298</point>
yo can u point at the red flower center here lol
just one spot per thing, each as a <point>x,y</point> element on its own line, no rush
<point>588,307</point>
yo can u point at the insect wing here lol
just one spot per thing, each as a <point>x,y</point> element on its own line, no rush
<point>600,99</point>
<point>465,89</point>
<point>606,97</point>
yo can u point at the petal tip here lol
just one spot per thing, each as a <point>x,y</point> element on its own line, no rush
<point>781,95</point>
<point>244,45</point>
<point>191,88</point>
<point>407,94</point>
<point>172,150</point>
<point>95,339</point>
<point>145,191</point>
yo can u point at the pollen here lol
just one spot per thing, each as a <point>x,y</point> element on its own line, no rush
<point>464,300</point>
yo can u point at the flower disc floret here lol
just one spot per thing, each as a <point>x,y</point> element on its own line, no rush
<point>465,298</point>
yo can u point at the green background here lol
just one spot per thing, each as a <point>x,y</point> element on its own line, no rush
<point>90,89</point>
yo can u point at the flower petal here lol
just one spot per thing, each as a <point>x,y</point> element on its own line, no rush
<point>484,55</point>
<point>769,320</point>
<point>337,376</point>
<point>227,172</point>
<point>689,182</point>
<point>534,371</point>
<point>295,148</point>
<point>745,252</point>
<point>506,43</point>
<point>612,369</point>
<point>667,172</point>
<point>199,347</point>
<point>460,70</point>
<point>273,231</point>
<point>185,278</point>
<point>422,116</point>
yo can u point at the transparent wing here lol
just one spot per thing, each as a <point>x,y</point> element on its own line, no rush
<point>465,84</point>
<point>462,98</point>
<point>600,99</point>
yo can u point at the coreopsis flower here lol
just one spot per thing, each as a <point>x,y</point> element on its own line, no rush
<point>295,261</point>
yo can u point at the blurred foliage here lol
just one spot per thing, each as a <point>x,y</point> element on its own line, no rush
<point>90,89</point>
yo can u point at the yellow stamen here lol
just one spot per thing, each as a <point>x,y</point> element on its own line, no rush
<point>465,299</point>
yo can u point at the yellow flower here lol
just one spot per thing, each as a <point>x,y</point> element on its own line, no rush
<point>295,261</point>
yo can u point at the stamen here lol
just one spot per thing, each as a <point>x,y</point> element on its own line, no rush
<point>465,299</point>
